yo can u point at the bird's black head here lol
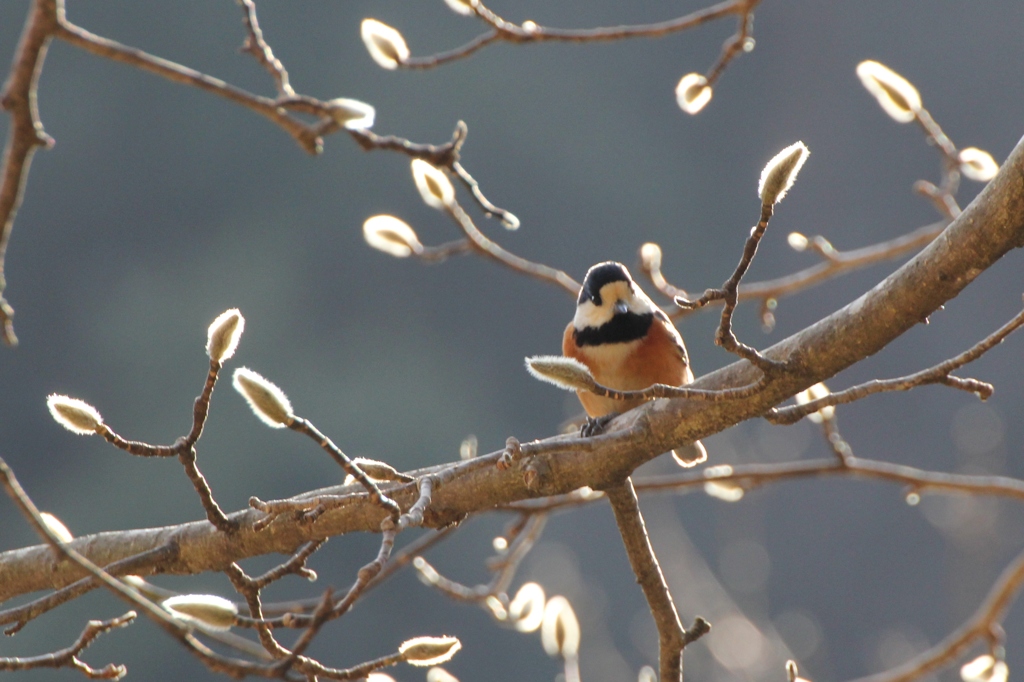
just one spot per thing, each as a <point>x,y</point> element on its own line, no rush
<point>600,275</point>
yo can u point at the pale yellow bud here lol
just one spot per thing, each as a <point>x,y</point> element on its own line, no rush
<point>527,608</point>
<point>434,186</point>
<point>985,668</point>
<point>54,525</point>
<point>560,631</point>
<point>385,44</point>
<point>797,241</point>
<point>894,93</point>
<point>428,651</point>
<point>268,401</point>
<point>530,26</point>
<point>392,236</point>
<point>693,93</point>
<point>223,335</point>
<point>463,7</point>
<point>780,173</point>
<point>566,373</point>
<point>379,677</point>
<point>440,675</point>
<point>468,447</point>
<point>499,544</point>
<point>216,613</point>
<point>352,114</point>
<point>977,164</point>
<point>650,257</point>
<point>376,470</point>
<point>727,492</point>
<point>815,392</point>
<point>74,415</point>
<point>647,674</point>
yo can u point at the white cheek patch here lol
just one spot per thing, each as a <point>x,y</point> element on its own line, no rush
<point>590,315</point>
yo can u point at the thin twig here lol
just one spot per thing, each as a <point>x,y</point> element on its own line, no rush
<point>68,657</point>
<point>488,248</point>
<point>502,30</point>
<point>724,335</point>
<point>22,615</point>
<point>256,46</point>
<point>933,375</point>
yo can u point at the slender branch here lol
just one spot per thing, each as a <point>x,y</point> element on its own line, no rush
<point>505,31</point>
<point>25,613</point>
<point>68,657</point>
<point>24,136</point>
<point>256,46</point>
<point>981,625</point>
<point>488,248</point>
<point>933,375</point>
<point>728,294</point>
<point>836,264</point>
<point>648,574</point>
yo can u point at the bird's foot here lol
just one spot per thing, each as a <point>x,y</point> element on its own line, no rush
<point>594,426</point>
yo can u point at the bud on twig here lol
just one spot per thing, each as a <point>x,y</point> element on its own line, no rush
<point>797,241</point>
<point>392,236</point>
<point>818,390</point>
<point>433,185</point>
<point>894,93</point>
<point>74,415</point>
<point>527,608</point>
<point>985,668</point>
<point>385,44</point>
<point>56,527</point>
<point>780,173</point>
<point>693,93</point>
<point>560,631</point>
<point>463,7</point>
<point>216,613</point>
<point>977,164</point>
<point>223,335</point>
<point>566,373</point>
<point>428,651</point>
<point>352,114</point>
<point>650,257</point>
<point>268,401</point>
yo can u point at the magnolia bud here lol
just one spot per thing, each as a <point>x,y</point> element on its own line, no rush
<point>74,415</point>
<point>433,185</point>
<point>566,373</point>
<point>985,668</point>
<point>440,675</point>
<point>223,335</point>
<point>463,7</point>
<point>560,631</point>
<point>693,93</point>
<point>216,613</point>
<point>385,44</point>
<point>894,93</point>
<point>818,390</point>
<point>977,164</point>
<point>428,651</point>
<point>650,257</point>
<point>797,241</point>
<point>527,608</point>
<point>780,173</point>
<point>351,114</point>
<point>727,492</point>
<point>54,525</point>
<point>268,401</point>
<point>392,236</point>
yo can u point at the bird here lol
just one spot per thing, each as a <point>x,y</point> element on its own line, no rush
<point>628,343</point>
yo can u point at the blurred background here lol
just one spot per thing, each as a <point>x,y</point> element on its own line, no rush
<point>161,206</point>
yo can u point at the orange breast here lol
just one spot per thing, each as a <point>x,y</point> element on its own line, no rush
<point>656,359</point>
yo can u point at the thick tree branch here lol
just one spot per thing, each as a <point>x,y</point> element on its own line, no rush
<point>989,227</point>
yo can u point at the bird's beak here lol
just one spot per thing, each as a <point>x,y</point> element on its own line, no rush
<point>620,307</point>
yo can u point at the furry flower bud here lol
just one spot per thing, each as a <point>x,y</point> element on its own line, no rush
<point>384,43</point>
